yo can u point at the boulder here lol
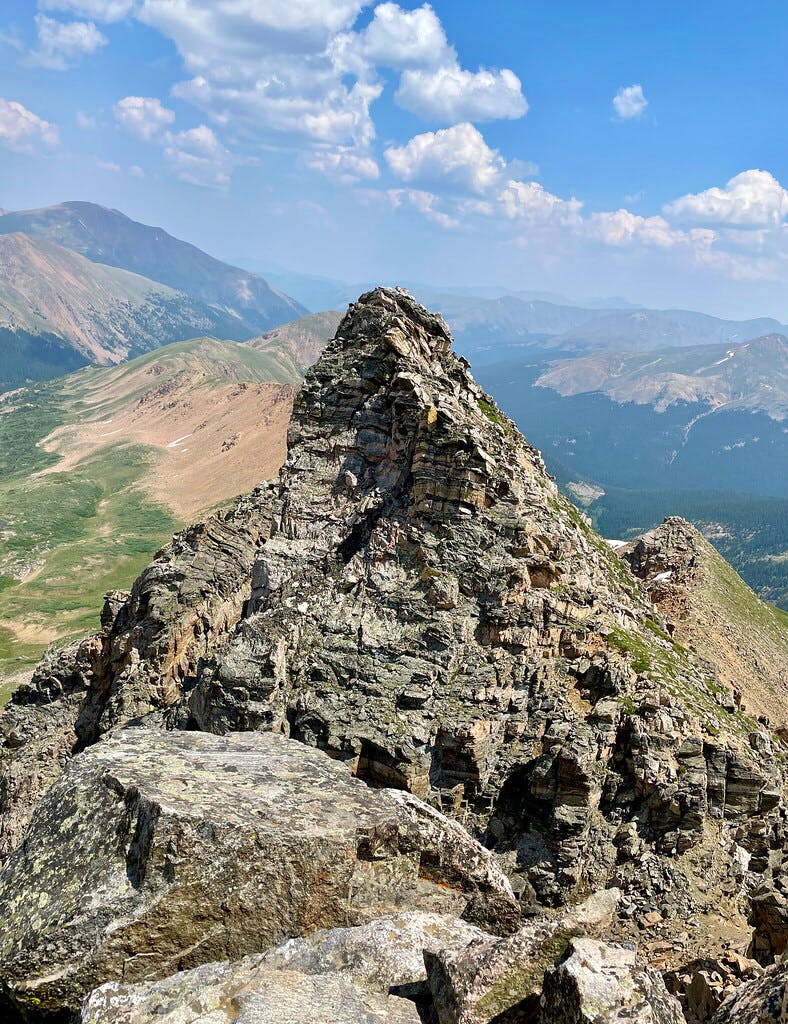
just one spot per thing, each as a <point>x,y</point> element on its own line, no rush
<point>384,954</point>
<point>157,851</point>
<point>598,983</point>
<point>491,977</point>
<point>246,992</point>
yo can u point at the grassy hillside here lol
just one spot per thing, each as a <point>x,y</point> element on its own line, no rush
<point>97,470</point>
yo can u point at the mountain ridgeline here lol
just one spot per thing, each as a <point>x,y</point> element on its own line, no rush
<point>81,284</point>
<point>403,707</point>
<point>110,237</point>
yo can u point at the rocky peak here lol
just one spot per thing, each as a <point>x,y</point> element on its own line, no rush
<point>414,597</point>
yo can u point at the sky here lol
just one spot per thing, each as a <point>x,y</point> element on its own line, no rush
<point>614,149</point>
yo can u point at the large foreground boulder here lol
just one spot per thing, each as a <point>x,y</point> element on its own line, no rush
<point>159,851</point>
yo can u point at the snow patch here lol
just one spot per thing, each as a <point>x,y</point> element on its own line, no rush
<point>177,441</point>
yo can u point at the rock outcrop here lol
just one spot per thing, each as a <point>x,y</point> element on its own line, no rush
<point>713,611</point>
<point>764,1001</point>
<point>415,598</point>
<point>152,639</point>
<point>158,850</point>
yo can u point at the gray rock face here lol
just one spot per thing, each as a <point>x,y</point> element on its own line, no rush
<point>386,953</point>
<point>359,968</point>
<point>603,984</point>
<point>157,851</point>
<point>491,978</point>
<point>246,993</point>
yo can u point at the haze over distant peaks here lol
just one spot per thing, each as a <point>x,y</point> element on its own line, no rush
<point>750,376</point>
<point>109,236</point>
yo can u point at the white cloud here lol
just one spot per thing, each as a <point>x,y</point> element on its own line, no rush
<point>85,121</point>
<point>531,202</point>
<point>62,44</point>
<point>629,102</point>
<point>143,116</point>
<point>267,66</point>
<point>621,228</point>
<point>753,199</point>
<point>453,94</point>
<point>136,171</point>
<point>456,156</point>
<point>23,131</point>
<point>197,157</point>
<point>101,10</point>
<point>399,39</point>
<point>108,165</point>
<point>344,165</point>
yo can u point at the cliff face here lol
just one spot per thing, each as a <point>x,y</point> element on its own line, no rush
<point>414,597</point>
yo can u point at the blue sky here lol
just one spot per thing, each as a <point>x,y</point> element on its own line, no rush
<point>614,149</point>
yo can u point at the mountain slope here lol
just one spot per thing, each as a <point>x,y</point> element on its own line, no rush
<point>109,237</point>
<point>59,310</point>
<point>751,376</point>
<point>98,468</point>
<point>302,341</point>
<point>709,432</point>
<point>716,614</point>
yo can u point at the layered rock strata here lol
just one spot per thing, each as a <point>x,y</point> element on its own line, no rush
<point>414,597</point>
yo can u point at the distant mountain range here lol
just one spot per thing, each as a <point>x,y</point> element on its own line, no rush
<point>751,376</point>
<point>490,324</point>
<point>109,236</point>
<point>80,283</point>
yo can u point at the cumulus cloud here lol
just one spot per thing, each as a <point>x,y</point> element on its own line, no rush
<point>23,131</point>
<point>629,102</point>
<point>62,44</point>
<point>143,116</point>
<point>456,156</point>
<point>101,10</point>
<point>751,200</point>
<point>621,227</point>
<point>453,94</point>
<point>403,39</point>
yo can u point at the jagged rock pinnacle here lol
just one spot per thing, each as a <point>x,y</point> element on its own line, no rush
<point>414,597</point>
